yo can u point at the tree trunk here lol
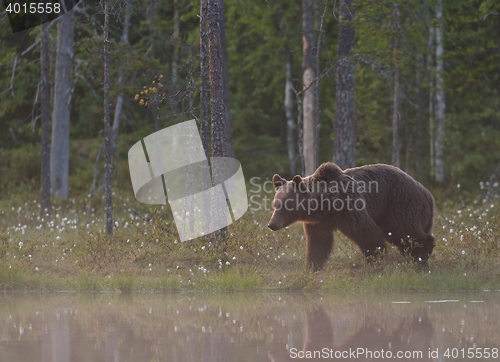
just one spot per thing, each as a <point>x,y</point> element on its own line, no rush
<point>216,76</point>
<point>408,143</point>
<point>175,57</point>
<point>309,81</point>
<point>430,71</point>
<point>151,13</point>
<point>121,81</point>
<point>345,129</point>
<point>107,123</point>
<point>395,107</point>
<point>421,122</point>
<point>316,89</point>
<point>204,87</point>
<point>217,104</point>
<point>288,103</point>
<point>45,119</point>
<point>440,98</point>
<point>227,100</point>
<point>154,107</point>
<point>59,152</point>
<point>300,136</point>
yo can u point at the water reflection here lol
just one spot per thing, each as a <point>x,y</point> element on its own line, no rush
<point>247,327</point>
<point>411,339</point>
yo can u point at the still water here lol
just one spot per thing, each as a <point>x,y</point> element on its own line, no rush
<point>188,327</point>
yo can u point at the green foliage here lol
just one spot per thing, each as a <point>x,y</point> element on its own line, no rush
<point>88,282</point>
<point>260,37</point>
<point>22,165</point>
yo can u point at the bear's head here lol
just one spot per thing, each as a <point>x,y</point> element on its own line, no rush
<point>289,202</point>
<point>307,199</point>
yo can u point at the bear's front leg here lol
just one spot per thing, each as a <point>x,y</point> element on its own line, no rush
<point>319,244</point>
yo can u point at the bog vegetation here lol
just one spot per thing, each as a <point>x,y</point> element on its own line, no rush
<point>70,250</point>
<point>426,75</point>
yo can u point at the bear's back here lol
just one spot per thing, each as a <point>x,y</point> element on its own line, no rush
<point>390,191</point>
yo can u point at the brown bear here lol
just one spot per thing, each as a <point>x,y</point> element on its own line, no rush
<point>369,204</point>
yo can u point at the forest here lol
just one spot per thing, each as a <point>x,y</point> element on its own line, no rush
<point>396,45</point>
<point>282,86</point>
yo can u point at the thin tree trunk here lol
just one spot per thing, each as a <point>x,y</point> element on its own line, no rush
<point>45,119</point>
<point>216,76</point>
<point>420,130</point>
<point>154,107</point>
<point>345,129</point>
<point>204,87</point>
<point>395,107</point>
<point>440,97</point>
<point>151,13</point>
<point>121,80</point>
<point>154,104</point>
<point>300,128</point>
<point>316,89</point>
<point>107,123</point>
<point>217,104</point>
<point>290,122</point>
<point>227,100</point>
<point>175,57</point>
<point>408,144</point>
<point>430,71</point>
<point>309,81</point>
<point>59,152</point>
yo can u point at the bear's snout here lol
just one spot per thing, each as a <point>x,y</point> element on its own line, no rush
<point>272,227</point>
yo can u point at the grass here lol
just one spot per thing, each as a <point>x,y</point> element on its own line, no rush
<point>69,251</point>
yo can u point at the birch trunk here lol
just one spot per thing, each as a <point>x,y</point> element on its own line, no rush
<point>309,81</point>
<point>107,123</point>
<point>59,151</point>
<point>440,97</point>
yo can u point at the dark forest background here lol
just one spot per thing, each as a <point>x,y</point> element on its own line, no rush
<point>400,80</point>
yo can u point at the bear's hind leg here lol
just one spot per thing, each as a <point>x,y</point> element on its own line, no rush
<point>319,244</point>
<point>366,234</point>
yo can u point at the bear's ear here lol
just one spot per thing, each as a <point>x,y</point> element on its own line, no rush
<point>297,179</point>
<point>278,181</point>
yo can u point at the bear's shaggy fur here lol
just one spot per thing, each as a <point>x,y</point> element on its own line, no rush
<point>369,204</point>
